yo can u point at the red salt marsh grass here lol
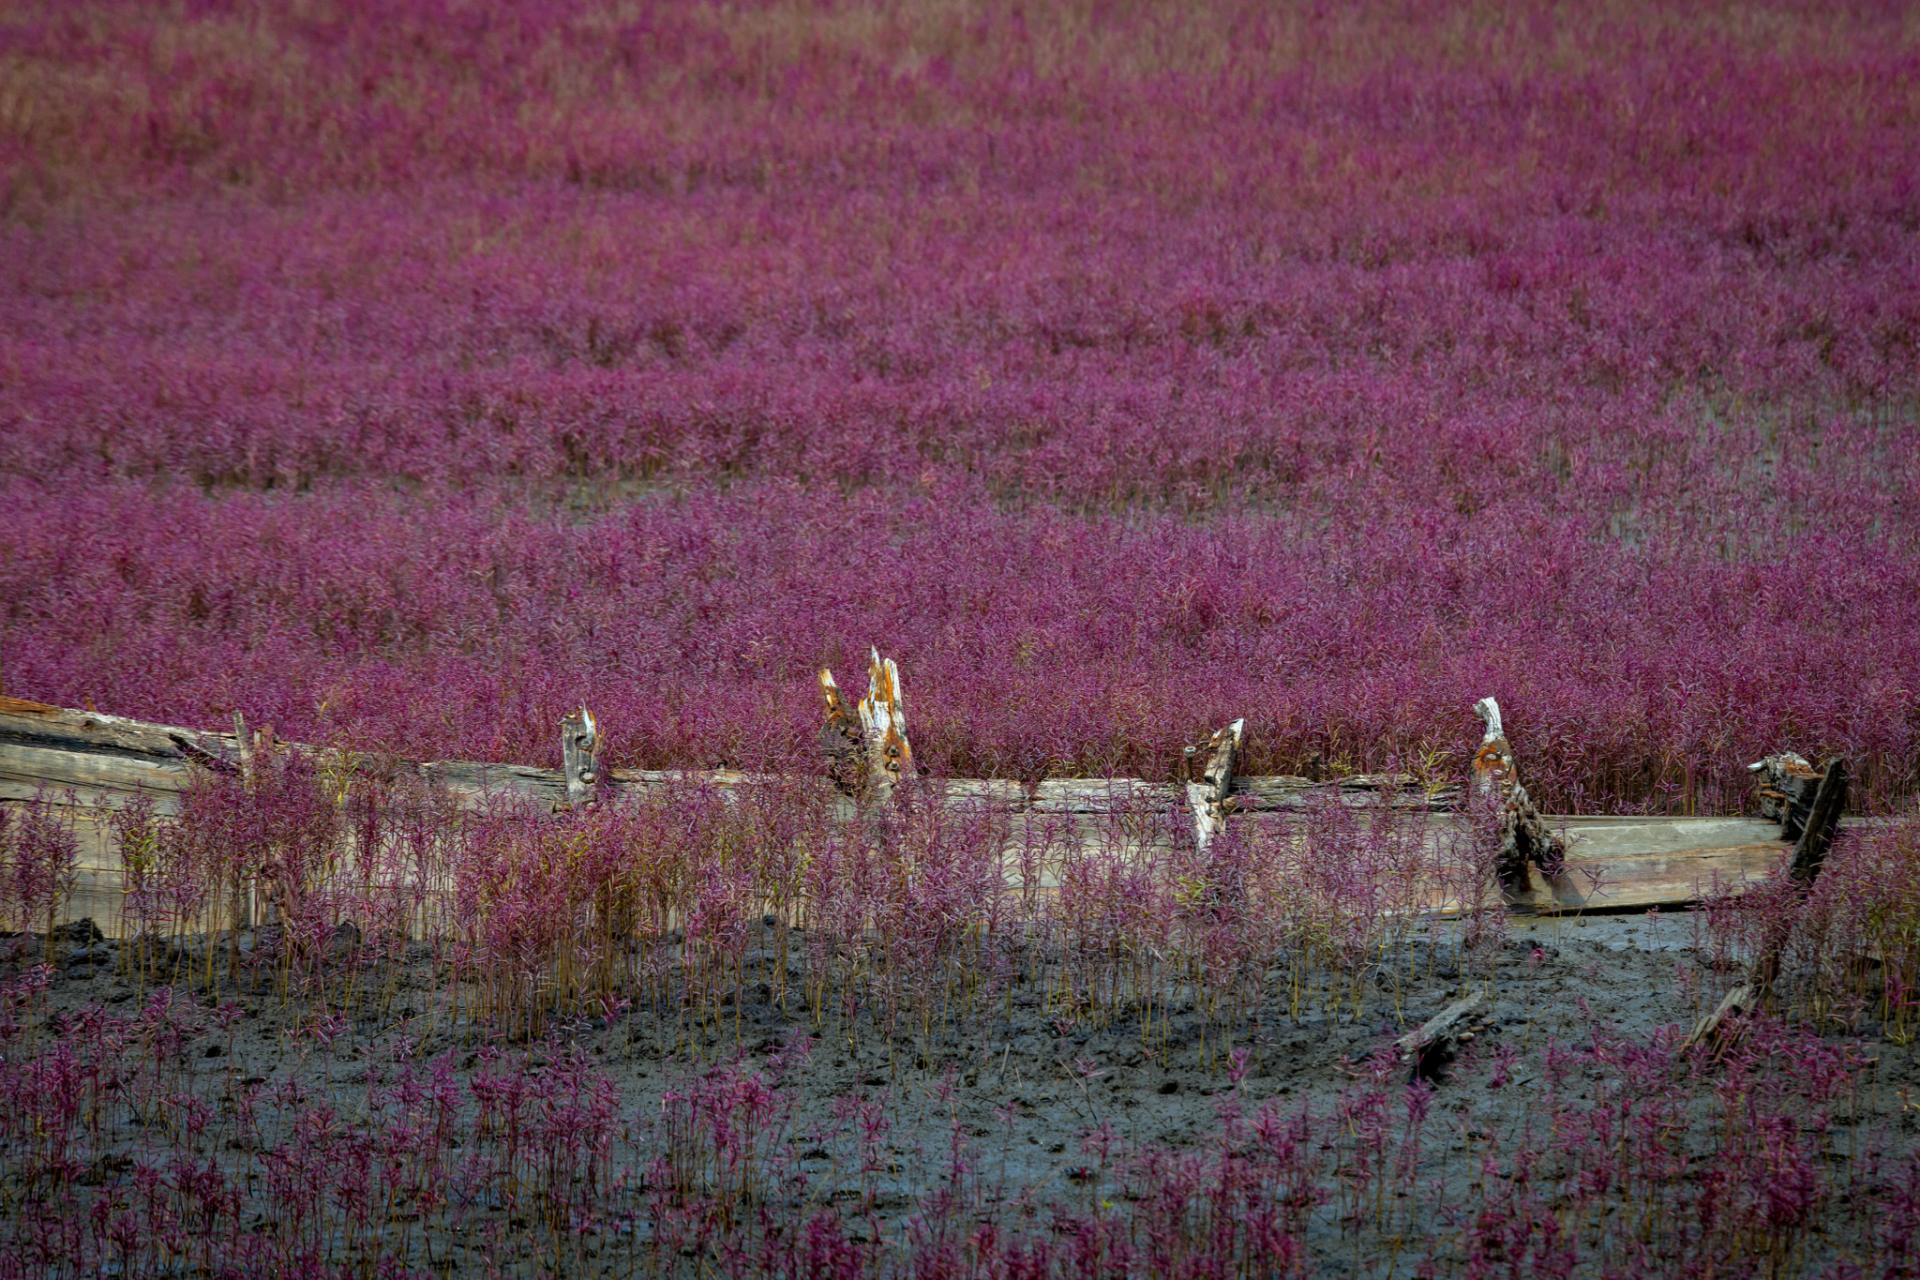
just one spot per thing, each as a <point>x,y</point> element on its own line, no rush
<point>405,374</point>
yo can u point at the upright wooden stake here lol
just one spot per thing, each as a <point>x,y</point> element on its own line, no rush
<point>1207,798</point>
<point>1524,837</point>
<point>579,756</point>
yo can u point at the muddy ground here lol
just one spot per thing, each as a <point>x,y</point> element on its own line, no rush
<point>1024,1090</point>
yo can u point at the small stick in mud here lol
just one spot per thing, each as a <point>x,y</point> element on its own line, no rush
<point>1434,1038</point>
<point>1208,797</point>
<point>579,755</point>
<point>1524,837</point>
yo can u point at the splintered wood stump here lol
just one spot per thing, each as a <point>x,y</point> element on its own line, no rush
<point>867,749</point>
<point>579,756</point>
<point>1525,839</point>
<point>883,719</point>
<point>1208,798</point>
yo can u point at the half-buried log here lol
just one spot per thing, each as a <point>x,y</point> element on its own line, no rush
<point>1441,1033</point>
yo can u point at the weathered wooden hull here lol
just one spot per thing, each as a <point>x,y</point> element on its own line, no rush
<point>97,762</point>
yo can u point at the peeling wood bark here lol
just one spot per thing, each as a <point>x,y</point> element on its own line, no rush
<point>1209,799</point>
<point>580,758</point>
<point>1524,837</point>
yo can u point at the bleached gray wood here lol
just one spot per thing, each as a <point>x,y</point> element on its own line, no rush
<point>1636,861</point>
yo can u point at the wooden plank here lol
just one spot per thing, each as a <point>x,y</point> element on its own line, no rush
<point>101,776</point>
<point>1292,793</point>
<point>1099,795</point>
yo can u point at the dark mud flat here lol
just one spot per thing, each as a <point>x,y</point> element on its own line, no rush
<point>1021,1119</point>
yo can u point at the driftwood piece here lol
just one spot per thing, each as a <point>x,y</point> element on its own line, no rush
<point>580,757</point>
<point>1525,839</point>
<point>1208,799</point>
<point>1442,1032</point>
<point>1735,1004</point>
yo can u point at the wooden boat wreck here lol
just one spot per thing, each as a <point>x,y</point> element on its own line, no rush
<point>92,763</point>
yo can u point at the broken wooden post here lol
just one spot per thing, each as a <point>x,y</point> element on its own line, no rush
<point>867,749</point>
<point>1787,785</point>
<point>1524,837</point>
<point>579,748</point>
<point>883,718</point>
<point>1452,1025</point>
<point>1807,804</point>
<point>1208,797</point>
<point>1820,823</point>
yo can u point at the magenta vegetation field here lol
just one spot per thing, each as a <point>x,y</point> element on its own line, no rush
<point>405,374</point>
